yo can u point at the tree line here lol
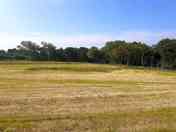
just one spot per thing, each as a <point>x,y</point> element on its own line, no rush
<point>162,55</point>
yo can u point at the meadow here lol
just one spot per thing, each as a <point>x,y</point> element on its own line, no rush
<point>82,97</point>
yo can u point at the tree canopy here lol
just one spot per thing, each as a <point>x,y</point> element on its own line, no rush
<point>163,54</point>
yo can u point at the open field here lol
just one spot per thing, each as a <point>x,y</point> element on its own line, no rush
<point>74,97</point>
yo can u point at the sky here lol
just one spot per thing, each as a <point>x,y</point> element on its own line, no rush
<point>85,22</point>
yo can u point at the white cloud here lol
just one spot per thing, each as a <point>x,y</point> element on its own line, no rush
<point>11,40</point>
<point>146,36</point>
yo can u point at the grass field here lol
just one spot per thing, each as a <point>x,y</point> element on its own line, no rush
<point>74,97</point>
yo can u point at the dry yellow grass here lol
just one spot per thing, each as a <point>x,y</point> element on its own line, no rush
<point>57,97</point>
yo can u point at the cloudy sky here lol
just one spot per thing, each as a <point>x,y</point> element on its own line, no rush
<point>85,22</point>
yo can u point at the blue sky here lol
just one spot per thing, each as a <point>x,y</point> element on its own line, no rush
<point>85,22</point>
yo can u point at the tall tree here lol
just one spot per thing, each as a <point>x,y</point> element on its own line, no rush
<point>167,50</point>
<point>29,49</point>
<point>48,51</point>
<point>95,55</point>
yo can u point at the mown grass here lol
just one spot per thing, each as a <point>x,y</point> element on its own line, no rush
<point>77,67</point>
<point>96,122</point>
<point>77,97</point>
<point>74,68</point>
<point>168,73</point>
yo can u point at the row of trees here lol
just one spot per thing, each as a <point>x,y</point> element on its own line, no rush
<point>161,55</point>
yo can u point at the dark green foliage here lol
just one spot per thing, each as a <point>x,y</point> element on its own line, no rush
<point>3,55</point>
<point>167,49</point>
<point>95,55</point>
<point>48,52</point>
<point>116,52</point>
<point>121,52</point>
<point>30,50</point>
